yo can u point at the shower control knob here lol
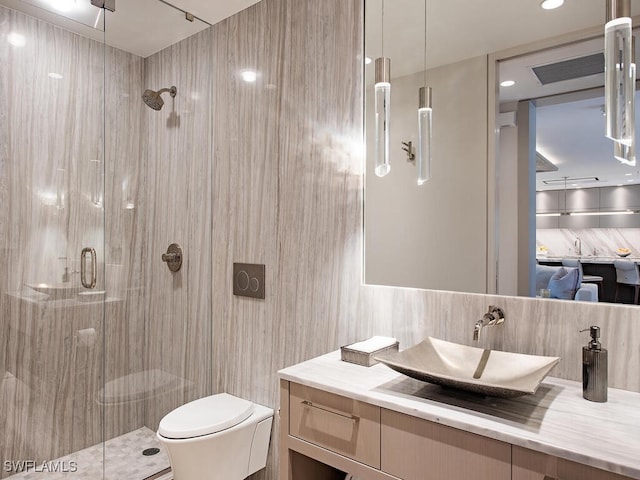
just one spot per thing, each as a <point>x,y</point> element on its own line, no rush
<point>173,257</point>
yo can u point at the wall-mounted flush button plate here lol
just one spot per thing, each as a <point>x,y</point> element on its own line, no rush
<point>248,280</point>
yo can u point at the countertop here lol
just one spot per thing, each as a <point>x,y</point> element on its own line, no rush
<point>586,258</point>
<point>556,420</point>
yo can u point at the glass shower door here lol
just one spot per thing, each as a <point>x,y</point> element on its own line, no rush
<point>52,240</point>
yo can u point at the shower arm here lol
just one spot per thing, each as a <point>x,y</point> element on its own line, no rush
<point>172,91</point>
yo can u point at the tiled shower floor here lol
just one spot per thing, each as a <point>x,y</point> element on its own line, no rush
<point>123,457</point>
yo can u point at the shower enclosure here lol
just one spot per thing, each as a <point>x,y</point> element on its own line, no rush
<point>85,356</point>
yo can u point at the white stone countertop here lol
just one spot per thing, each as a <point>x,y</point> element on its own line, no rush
<point>556,420</point>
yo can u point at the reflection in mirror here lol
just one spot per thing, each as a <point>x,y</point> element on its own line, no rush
<point>472,226</point>
<point>587,218</point>
<point>430,235</point>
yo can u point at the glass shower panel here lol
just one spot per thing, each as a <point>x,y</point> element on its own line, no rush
<point>92,177</point>
<point>52,197</point>
<point>156,356</point>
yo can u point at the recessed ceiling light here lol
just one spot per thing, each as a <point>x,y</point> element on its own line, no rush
<point>249,76</point>
<point>507,83</point>
<point>628,174</point>
<point>16,39</point>
<point>551,4</point>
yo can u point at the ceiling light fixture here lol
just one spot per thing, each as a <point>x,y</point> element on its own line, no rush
<point>507,83</point>
<point>382,110</point>
<point>425,119</point>
<point>620,79</point>
<point>551,4</point>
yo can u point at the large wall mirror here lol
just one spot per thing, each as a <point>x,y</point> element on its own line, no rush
<point>497,150</point>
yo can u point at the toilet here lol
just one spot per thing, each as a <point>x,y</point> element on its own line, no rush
<point>220,437</point>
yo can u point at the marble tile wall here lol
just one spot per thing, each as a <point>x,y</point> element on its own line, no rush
<point>175,205</point>
<point>288,193</point>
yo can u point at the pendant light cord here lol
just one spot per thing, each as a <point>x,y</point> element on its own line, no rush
<point>425,43</point>
<point>382,29</point>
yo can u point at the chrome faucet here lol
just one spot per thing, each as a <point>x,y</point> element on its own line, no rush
<point>578,246</point>
<point>495,316</point>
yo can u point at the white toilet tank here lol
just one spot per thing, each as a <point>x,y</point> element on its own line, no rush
<point>220,437</point>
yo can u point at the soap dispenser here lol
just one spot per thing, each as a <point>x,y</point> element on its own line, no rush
<point>594,368</point>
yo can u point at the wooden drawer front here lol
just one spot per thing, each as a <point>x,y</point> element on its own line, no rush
<point>340,424</point>
<point>415,449</point>
<point>531,465</point>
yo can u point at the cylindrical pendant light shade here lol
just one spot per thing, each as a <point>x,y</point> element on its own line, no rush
<point>382,115</point>
<point>625,153</point>
<point>619,81</point>
<point>425,113</point>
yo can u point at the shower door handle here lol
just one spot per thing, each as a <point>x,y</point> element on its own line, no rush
<point>83,268</point>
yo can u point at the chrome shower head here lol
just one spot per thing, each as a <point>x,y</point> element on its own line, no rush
<point>154,99</point>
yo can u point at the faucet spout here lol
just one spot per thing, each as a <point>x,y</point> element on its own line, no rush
<point>495,316</point>
<point>476,330</point>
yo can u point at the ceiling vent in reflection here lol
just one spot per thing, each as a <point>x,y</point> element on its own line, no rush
<point>543,164</point>
<point>570,69</point>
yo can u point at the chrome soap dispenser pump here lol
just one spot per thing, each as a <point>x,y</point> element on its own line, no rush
<point>594,368</point>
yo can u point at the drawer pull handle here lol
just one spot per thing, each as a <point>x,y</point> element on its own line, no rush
<point>353,418</point>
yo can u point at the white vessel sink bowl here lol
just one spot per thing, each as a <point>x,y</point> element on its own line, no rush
<point>56,291</point>
<point>487,372</point>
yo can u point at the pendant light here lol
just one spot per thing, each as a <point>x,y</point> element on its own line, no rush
<point>425,113</point>
<point>620,76</point>
<point>382,109</point>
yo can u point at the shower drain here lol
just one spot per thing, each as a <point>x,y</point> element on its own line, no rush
<point>147,452</point>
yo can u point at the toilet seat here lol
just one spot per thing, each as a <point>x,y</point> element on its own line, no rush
<point>205,416</point>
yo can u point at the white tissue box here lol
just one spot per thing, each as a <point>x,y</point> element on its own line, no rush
<point>363,353</point>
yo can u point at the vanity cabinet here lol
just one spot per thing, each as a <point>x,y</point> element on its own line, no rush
<point>415,449</point>
<point>378,444</point>
<point>340,424</point>
<point>532,465</point>
<point>374,423</point>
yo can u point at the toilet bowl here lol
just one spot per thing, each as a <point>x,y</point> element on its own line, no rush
<point>220,437</point>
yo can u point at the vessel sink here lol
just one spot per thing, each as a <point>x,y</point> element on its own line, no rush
<point>56,291</point>
<point>487,372</point>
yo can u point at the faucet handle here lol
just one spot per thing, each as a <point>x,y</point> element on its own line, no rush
<point>498,315</point>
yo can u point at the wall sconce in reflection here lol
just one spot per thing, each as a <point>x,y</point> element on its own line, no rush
<point>407,147</point>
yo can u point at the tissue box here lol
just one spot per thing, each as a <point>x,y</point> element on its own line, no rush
<point>363,353</point>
